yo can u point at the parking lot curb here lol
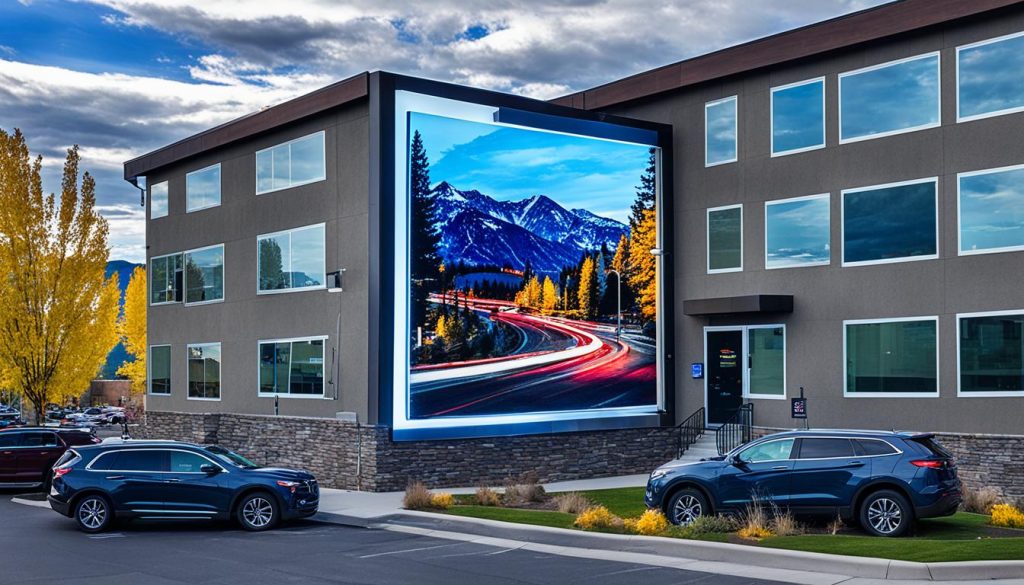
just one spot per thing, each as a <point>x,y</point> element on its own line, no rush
<point>688,551</point>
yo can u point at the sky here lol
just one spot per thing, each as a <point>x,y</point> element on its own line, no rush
<point>510,164</point>
<point>123,77</point>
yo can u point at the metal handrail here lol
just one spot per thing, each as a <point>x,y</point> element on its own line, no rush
<point>690,430</point>
<point>736,430</point>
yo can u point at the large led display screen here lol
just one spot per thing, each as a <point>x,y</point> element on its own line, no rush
<point>515,231</point>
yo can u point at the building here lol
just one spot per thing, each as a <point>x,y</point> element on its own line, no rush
<point>839,216</point>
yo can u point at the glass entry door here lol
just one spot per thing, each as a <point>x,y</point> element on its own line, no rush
<point>725,368</point>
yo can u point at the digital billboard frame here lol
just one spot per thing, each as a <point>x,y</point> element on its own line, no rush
<point>397,97</point>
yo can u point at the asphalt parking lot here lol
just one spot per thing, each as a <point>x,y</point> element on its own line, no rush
<point>40,546</point>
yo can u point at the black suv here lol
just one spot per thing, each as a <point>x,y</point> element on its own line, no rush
<point>883,480</point>
<point>180,481</point>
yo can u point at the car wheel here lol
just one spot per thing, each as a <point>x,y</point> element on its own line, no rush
<point>687,505</point>
<point>886,513</point>
<point>93,513</point>
<point>258,511</point>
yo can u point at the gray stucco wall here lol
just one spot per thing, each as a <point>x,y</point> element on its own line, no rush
<point>243,318</point>
<point>827,295</point>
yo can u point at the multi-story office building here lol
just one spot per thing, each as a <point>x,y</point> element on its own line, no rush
<point>840,216</point>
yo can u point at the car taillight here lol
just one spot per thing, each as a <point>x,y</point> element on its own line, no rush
<point>61,472</point>
<point>929,463</point>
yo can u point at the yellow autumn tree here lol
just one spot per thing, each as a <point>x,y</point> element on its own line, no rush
<point>643,274</point>
<point>549,295</point>
<point>587,293</point>
<point>132,329</point>
<point>442,327</point>
<point>58,318</point>
<point>620,261</point>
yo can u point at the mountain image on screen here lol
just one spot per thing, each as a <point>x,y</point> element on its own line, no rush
<point>517,240</point>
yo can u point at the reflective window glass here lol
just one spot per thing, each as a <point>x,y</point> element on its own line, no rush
<point>160,369</point>
<point>890,98</point>
<point>991,208</point>
<point>720,131</point>
<point>766,347</point>
<point>293,163</point>
<point>890,223</point>
<point>797,232</point>
<point>725,239</point>
<point>158,200</point>
<point>292,260</point>
<point>992,353</point>
<point>204,371</point>
<point>204,275</point>
<point>202,188</point>
<point>798,117</point>
<point>892,357</point>
<point>989,76</point>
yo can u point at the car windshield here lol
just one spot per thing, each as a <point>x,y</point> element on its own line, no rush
<point>230,457</point>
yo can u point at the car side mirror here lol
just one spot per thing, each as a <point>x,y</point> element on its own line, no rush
<point>209,469</point>
<point>736,460</point>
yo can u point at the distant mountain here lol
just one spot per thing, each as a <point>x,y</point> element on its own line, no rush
<point>479,229</point>
<point>118,355</point>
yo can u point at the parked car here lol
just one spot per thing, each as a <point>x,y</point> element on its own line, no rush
<point>27,454</point>
<point>164,480</point>
<point>10,417</point>
<point>882,480</point>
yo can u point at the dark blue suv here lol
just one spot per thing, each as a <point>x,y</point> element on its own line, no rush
<point>171,480</point>
<point>882,480</point>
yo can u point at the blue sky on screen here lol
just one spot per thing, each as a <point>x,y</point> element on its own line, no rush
<point>513,163</point>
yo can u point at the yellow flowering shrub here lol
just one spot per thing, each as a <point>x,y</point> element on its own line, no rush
<point>754,532</point>
<point>597,518</point>
<point>442,500</point>
<point>1007,516</point>
<point>650,523</point>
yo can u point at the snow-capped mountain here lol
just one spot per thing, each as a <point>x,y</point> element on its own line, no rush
<point>479,229</point>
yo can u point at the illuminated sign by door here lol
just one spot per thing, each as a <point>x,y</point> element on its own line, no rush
<point>726,358</point>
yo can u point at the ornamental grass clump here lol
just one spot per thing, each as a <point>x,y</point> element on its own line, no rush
<point>980,501</point>
<point>417,497</point>
<point>597,518</point>
<point>1007,516</point>
<point>442,500</point>
<point>650,523</point>
<point>572,503</point>
<point>755,522</point>
<point>485,496</point>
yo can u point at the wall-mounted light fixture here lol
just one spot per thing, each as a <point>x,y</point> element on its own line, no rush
<point>334,280</point>
<point>659,252</point>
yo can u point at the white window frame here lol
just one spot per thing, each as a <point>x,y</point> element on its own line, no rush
<point>149,279</point>
<point>825,196</point>
<point>744,329</point>
<point>290,232</point>
<point>220,380</point>
<point>149,370</point>
<point>824,123</point>
<point>938,364</point>
<point>323,356</point>
<point>707,239</point>
<point>987,394</point>
<point>167,200</point>
<point>184,276</point>
<point>1004,112</point>
<point>936,124</point>
<point>959,225</point>
<point>323,150</point>
<point>842,223</point>
<point>188,207</point>
<point>735,127</point>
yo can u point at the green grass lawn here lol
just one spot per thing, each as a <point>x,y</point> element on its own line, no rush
<point>962,537</point>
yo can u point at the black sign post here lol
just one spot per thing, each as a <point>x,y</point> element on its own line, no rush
<point>798,407</point>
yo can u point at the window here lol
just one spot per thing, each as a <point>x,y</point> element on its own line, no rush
<point>9,439</point>
<point>204,371</point>
<point>39,440</point>
<point>891,223</point>
<point>165,279</point>
<point>725,239</point>
<point>988,78</point>
<point>797,232</point>
<point>147,460</point>
<point>204,275</point>
<point>720,132</point>
<point>891,358</point>
<point>991,354</point>
<point>292,367</point>
<point>766,351</point>
<point>872,447</point>
<point>991,210</point>
<point>160,369</point>
<point>202,188</point>
<point>770,451</point>
<point>292,260</point>
<point>798,117</point>
<point>825,448</point>
<point>294,163</point>
<point>891,98</point>
<point>158,200</point>
<point>185,462</point>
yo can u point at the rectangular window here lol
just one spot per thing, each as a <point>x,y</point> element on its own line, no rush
<point>766,351</point>
<point>165,279</point>
<point>988,76</point>
<point>991,354</point>
<point>891,358</point>
<point>891,98</point>
<point>204,275</point>
<point>797,232</point>
<point>798,117</point>
<point>725,239</point>
<point>291,260</point>
<point>891,223</point>
<point>202,188</point>
<point>720,130</point>
<point>291,164</point>
<point>160,369</point>
<point>158,200</point>
<point>990,210</point>
<point>204,371</point>
<point>292,367</point>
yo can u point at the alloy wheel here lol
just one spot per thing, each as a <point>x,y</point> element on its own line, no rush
<point>92,513</point>
<point>258,512</point>
<point>885,515</point>
<point>687,509</point>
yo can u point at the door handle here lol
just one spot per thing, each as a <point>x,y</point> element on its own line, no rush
<point>172,480</point>
<point>8,452</point>
<point>855,464</point>
<point>115,477</point>
<point>780,468</point>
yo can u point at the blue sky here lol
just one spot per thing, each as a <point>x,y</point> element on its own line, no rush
<point>123,77</point>
<point>513,163</point>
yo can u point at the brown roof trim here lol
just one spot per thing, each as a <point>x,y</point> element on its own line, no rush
<point>336,94</point>
<point>859,27</point>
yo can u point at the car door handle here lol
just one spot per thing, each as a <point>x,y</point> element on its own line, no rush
<point>780,468</point>
<point>855,464</point>
<point>172,480</point>
<point>115,477</point>
<point>8,452</point>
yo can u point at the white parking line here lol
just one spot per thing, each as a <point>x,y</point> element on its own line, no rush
<point>398,552</point>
